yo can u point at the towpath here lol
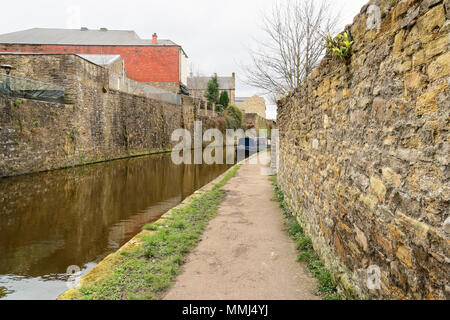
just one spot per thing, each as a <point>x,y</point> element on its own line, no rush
<point>245,254</point>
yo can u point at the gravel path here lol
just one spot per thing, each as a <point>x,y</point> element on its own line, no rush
<point>245,254</point>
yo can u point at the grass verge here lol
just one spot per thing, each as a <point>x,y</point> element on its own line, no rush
<point>149,270</point>
<point>325,286</point>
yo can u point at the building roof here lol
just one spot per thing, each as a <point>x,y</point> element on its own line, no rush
<point>241,99</point>
<point>201,83</point>
<point>102,37</point>
<point>101,59</point>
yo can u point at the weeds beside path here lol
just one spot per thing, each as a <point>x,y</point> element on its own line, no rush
<point>150,269</point>
<point>244,253</point>
<point>326,288</point>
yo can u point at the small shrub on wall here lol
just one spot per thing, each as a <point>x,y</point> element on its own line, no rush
<point>234,117</point>
<point>340,46</point>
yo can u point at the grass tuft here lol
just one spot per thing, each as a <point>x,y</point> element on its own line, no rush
<point>325,286</point>
<point>151,269</point>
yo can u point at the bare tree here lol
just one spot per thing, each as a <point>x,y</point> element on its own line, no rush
<point>293,46</point>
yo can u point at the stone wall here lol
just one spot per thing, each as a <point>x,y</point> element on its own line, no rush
<point>124,84</point>
<point>97,123</point>
<point>255,121</point>
<point>254,104</point>
<point>364,154</point>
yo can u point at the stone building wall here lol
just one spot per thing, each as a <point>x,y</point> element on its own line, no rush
<point>198,86</point>
<point>364,154</point>
<point>96,124</point>
<point>118,68</point>
<point>168,85</point>
<point>254,104</point>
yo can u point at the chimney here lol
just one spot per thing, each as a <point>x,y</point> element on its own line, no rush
<point>155,38</point>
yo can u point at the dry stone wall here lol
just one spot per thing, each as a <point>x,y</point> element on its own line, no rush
<point>364,154</point>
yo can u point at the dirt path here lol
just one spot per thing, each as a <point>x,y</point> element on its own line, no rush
<point>245,254</point>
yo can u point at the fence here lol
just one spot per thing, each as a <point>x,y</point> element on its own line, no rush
<point>12,86</point>
<point>124,84</point>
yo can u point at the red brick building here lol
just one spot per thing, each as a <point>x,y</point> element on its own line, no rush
<point>160,62</point>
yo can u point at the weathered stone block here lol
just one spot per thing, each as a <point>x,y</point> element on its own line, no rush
<point>398,42</point>
<point>426,103</point>
<point>437,46</point>
<point>418,58</point>
<point>419,229</point>
<point>385,244</point>
<point>401,8</point>
<point>433,19</point>
<point>404,256</point>
<point>378,189</point>
<point>361,239</point>
<point>413,80</point>
<point>439,68</point>
<point>446,225</point>
<point>391,177</point>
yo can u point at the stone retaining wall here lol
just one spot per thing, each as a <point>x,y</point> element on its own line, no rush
<point>96,124</point>
<point>364,154</point>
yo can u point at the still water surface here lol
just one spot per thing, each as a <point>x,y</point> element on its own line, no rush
<point>76,217</point>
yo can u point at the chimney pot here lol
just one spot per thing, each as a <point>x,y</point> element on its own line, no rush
<point>155,38</point>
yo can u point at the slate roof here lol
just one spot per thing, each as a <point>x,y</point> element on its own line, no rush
<point>240,100</point>
<point>201,83</point>
<point>79,37</point>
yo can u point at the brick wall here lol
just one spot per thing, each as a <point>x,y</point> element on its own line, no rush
<point>143,63</point>
<point>364,154</point>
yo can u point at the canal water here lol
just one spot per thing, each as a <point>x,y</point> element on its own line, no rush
<point>76,217</point>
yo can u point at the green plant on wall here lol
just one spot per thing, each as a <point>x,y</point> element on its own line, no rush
<point>262,125</point>
<point>36,123</point>
<point>341,45</point>
<point>234,117</point>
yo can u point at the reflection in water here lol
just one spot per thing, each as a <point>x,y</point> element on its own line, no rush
<point>50,221</point>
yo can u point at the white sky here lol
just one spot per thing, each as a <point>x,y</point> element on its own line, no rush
<point>215,34</point>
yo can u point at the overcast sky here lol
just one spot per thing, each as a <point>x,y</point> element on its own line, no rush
<point>215,34</point>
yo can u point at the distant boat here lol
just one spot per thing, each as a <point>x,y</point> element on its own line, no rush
<point>248,145</point>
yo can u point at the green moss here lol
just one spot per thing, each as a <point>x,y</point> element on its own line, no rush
<point>36,123</point>
<point>325,286</point>
<point>151,269</point>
